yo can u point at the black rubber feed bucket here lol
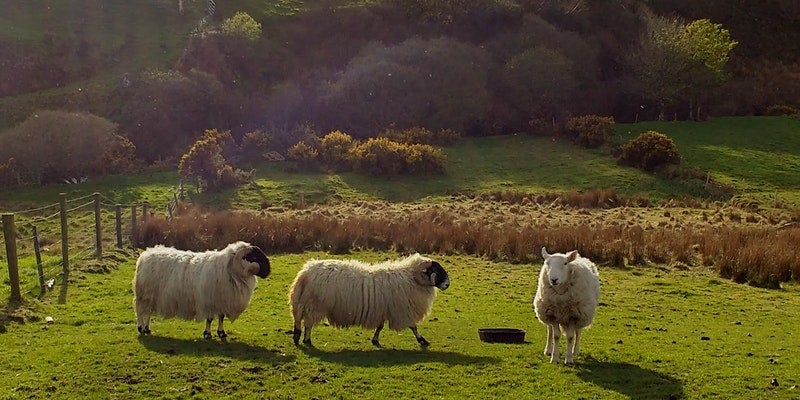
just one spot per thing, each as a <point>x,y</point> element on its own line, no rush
<point>501,335</point>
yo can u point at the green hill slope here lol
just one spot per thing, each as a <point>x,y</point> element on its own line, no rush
<point>758,156</point>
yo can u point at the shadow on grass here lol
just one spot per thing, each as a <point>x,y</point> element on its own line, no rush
<point>630,380</point>
<point>384,357</point>
<point>200,348</point>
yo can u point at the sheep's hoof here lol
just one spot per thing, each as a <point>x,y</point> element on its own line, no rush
<point>376,343</point>
<point>423,342</point>
<point>307,342</point>
<point>222,334</point>
<point>206,335</point>
<point>144,331</point>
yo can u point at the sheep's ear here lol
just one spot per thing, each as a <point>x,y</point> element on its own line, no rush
<point>572,255</point>
<point>421,278</point>
<point>544,252</point>
<point>421,273</point>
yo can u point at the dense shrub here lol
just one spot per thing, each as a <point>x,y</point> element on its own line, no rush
<point>424,159</point>
<point>334,150</point>
<point>650,150</point>
<point>8,173</point>
<point>254,145</point>
<point>304,155</point>
<point>51,146</point>
<point>241,25</point>
<point>591,130</point>
<point>781,109</point>
<point>206,164</point>
<point>381,156</point>
<point>442,137</point>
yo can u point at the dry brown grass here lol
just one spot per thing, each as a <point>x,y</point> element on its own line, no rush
<point>743,245</point>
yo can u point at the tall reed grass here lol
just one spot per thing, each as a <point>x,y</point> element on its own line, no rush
<point>757,252</point>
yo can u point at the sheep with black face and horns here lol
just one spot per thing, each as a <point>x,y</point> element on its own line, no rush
<point>197,285</point>
<point>355,293</point>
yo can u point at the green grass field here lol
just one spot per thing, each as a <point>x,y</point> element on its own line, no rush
<point>758,156</point>
<point>658,334</point>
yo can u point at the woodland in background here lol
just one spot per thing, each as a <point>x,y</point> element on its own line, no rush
<point>478,67</point>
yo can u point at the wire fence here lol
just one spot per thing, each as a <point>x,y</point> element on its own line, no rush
<point>42,244</point>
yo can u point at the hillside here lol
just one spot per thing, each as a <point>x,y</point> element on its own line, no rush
<point>482,68</point>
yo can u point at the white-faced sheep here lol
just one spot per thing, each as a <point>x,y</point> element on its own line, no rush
<point>355,293</point>
<point>197,285</point>
<point>566,300</point>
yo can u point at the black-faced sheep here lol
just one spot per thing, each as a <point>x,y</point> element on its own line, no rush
<point>191,285</point>
<point>354,293</point>
<point>566,300</point>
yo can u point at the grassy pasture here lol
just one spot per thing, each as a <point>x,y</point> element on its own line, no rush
<point>659,333</point>
<point>758,156</point>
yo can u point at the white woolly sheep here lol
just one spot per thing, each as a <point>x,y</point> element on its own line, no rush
<point>355,293</point>
<point>566,300</point>
<point>192,285</point>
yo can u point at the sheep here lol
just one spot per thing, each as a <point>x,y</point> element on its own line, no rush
<point>566,300</point>
<point>192,285</point>
<point>354,293</point>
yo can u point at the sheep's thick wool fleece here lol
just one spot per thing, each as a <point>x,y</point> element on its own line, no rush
<point>350,292</point>
<point>190,285</point>
<point>572,302</point>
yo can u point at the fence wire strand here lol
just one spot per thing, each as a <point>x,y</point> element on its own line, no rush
<point>32,210</point>
<point>80,198</point>
<point>80,206</point>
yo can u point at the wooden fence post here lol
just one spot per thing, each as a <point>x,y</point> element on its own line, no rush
<point>145,207</point>
<point>98,232</point>
<point>10,235</point>
<point>64,235</point>
<point>134,239</point>
<point>38,252</point>
<point>118,217</point>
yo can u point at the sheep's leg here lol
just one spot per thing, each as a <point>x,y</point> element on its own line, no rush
<point>307,334</point>
<point>570,331</point>
<point>556,332</point>
<point>421,340</point>
<point>577,342</point>
<point>220,330</point>
<point>142,319</point>
<point>207,332</point>
<point>376,337</point>
<point>548,346</point>
<point>297,331</point>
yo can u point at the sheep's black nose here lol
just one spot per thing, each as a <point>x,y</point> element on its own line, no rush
<point>554,281</point>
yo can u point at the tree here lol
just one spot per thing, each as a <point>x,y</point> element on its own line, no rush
<point>437,83</point>
<point>707,47</point>
<point>539,82</point>
<point>206,164</point>
<point>678,63</point>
